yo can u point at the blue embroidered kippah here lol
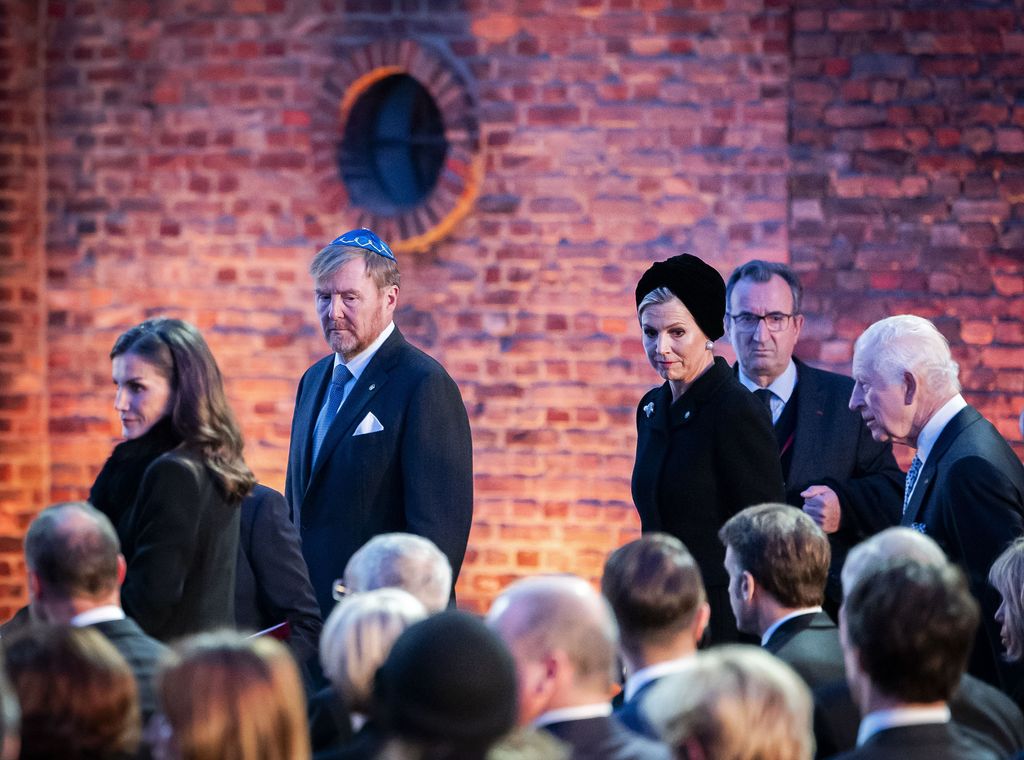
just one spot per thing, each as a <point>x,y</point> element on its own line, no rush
<point>367,240</point>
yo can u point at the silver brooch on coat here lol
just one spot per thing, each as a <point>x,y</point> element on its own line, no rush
<point>649,409</point>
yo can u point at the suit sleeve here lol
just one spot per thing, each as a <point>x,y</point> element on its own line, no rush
<point>282,579</point>
<point>437,467</point>
<point>749,455</point>
<point>292,478</point>
<point>872,498</point>
<point>164,536</point>
<point>981,510</point>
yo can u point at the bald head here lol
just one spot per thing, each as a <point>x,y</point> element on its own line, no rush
<point>536,616</point>
<point>73,551</point>
<point>891,544</point>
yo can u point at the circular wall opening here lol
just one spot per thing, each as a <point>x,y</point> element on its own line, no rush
<point>394,146</point>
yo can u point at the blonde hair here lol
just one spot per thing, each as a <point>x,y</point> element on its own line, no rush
<point>228,697</point>
<point>1007,575</point>
<point>736,702</point>
<point>358,636</point>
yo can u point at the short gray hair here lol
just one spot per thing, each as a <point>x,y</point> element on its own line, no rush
<point>405,561</point>
<point>884,547</point>
<point>358,637</point>
<point>329,260</point>
<point>757,270</point>
<point>908,343</point>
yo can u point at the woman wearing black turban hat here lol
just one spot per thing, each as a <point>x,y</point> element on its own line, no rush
<point>705,447</point>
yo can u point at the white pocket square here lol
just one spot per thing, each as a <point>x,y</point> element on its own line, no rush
<point>370,424</point>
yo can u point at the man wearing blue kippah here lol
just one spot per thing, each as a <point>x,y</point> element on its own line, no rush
<point>380,437</point>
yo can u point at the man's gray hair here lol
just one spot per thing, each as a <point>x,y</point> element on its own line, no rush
<point>757,270</point>
<point>908,343</point>
<point>405,561</point>
<point>891,544</point>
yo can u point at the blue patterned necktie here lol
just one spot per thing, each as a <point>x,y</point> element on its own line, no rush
<point>912,473</point>
<point>335,395</point>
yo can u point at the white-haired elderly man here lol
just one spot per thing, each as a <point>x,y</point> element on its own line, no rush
<point>965,486</point>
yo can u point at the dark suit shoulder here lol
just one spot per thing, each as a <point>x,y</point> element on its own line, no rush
<point>942,741</point>
<point>987,715</point>
<point>606,739</point>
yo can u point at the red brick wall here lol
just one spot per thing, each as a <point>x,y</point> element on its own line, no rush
<point>186,176</point>
<point>907,193</point>
<point>24,452</point>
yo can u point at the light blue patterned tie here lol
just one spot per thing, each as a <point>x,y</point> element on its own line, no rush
<point>912,473</point>
<point>335,395</point>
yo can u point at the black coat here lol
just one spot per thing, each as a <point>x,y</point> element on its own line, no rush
<point>143,654</point>
<point>969,497</point>
<point>810,645</point>
<point>699,461</point>
<point>414,474</point>
<point>980,710</point>
<point>273,583</point>
<point>180,538</point>
<point>833,447</point>
<point>934,741</point>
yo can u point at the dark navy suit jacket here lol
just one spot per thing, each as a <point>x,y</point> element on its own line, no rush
<point>969,497</point>
<point>606,739</point>
<point>413,475</point>
<point>142,653</point>
<point>810,645</point>
<point>933,741</point>
<point>272,584</point>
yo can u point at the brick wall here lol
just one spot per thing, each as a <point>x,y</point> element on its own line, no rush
<point>907,192</point>
<point>187,175</point>
<point>24,474</point>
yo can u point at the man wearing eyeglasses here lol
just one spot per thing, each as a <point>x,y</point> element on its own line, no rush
<point>846,481</point>
<point>380,437</point>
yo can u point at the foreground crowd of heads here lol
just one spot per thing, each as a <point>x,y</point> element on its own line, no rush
<point>416,680</point>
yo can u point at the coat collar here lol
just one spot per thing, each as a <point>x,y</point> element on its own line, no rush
<point>963,420</point>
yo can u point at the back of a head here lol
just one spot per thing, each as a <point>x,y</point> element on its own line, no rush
<point>783,549</point>
<point>887,546</point>
<point>541,614</point>
<point>733,702</point>
<point>228,697</point>
<point>77,694</point>
<point>402,560</point>
<point>448,681</point>
<point>357,637</point>
<point>911,626</point>
<point>655,589</point>
<point>72,548</point>
<point>908,343</point>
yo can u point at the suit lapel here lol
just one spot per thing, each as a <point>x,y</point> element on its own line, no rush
<point>963,419</point>
<point>811,428</point>
<point>309,408</point>
<point>353,410</point>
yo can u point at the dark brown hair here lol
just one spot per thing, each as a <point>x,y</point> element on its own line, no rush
<point>200,414</point>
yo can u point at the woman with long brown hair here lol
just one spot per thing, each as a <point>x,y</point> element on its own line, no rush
<point>173,486</point>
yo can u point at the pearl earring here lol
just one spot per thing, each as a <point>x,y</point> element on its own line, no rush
<point>709,345</point>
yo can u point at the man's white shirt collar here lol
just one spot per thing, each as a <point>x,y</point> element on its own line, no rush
<point>781,387</point>
<point>898,717</point>
<point>775,626</point>
<point>578,712</point>
<point>651,673</point>
<point>358,363</point>
<point>103,614</point>
<point>933,428</point>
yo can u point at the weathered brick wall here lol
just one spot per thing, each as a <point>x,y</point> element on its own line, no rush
<point>189,153</point>
<point>24,474</point>
<point>907,127</point>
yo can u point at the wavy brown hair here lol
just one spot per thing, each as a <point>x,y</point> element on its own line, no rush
<point>200,414</point>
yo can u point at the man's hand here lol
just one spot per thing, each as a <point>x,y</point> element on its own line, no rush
<point>822,505</point>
